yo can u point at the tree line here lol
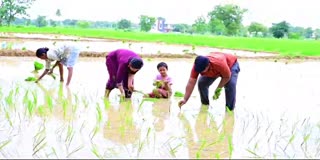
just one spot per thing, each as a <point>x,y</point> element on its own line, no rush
<point>222,20</point>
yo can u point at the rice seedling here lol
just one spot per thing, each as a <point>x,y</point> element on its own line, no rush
<point>200,149</point>
<point>65,105</point>
<point>49,102</point>
<point>106,103</point>
<point>82,126</point>
<point>140,147</point>
<point>230,145</point>
<point>8,117</point>
<point>30,107</point>
<point>35,98</point>
<point>173,150</point>
<point>17,90</point>
<point>39,140</point>
<point>75,106</point>
<point>148,133</point>
<point>94,131</point>
<point>42,110</point>
<point>75,151</point>
<point>290,141</point>
<point>70,136</point>
<point>4,143</point>
<point>99,114</point>
<point>9,99</point>
<point>258,127</point>
<point>254,154</point>
<point>217,155</point>
<point>95,151</point>
<point>146,100</point>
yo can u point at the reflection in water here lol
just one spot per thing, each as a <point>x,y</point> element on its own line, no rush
<point>206,139</point>
<point>56,102</point>
<point>161,112</point>
<point>120,126</point>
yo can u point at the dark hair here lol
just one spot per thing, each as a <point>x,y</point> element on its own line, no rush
<point>136,63</point>
<point>162,64</point>
<point>200,63</point>
<point>41,51</point>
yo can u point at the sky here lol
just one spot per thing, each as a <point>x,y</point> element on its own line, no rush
<point>304,13</point>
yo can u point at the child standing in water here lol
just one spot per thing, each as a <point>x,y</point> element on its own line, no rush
<point>162,83</point>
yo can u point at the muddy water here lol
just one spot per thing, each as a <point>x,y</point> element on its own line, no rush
<point>276,114</point>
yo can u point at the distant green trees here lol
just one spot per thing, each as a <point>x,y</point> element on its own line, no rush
<point>10,9</point>
<point>221,20</point>
<point>146,23</point>
<point>256,28</point>
<point>124,24</point>
<point>279,30</point>
<point>41,21</point>
<point>226,19</point>
<point>200,25</point>
<point>83,24</point>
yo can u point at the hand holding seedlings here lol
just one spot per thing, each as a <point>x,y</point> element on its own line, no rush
<point>217,93</point>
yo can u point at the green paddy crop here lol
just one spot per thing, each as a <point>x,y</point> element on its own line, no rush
<point>285,47</point>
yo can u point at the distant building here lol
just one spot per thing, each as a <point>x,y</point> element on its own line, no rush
<point>162,26</point>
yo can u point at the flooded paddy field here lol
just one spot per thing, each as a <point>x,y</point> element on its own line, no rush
<point>276,115</point>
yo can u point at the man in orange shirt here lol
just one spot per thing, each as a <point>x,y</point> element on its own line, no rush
<point>211,67</point>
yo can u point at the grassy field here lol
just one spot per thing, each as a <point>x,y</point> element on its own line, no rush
<point>285,47</point>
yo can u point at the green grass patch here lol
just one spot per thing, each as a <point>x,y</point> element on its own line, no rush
<point>286,47</point>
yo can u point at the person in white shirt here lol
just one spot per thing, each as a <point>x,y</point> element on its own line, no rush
<point>66,55</point>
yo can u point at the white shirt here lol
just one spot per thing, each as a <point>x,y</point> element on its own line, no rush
<point>57,54</point>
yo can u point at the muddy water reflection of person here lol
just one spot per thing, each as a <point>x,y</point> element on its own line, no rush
<point>66,54</point>
<point>211,67</point>
<point>161,110</point>
<point>61,106</point>
<point>209,141</point>
<point>122,65</point>
<point>121,127</point>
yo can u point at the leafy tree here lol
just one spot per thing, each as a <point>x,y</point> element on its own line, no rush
<point>124,24</point>
<point>10,9</point>
<point>200,25</point>
<point>296,32</point>
<point>308,32</point>
<point>83,24</point>
<point>58,13</point>
<point>243,31</point>
<point>317,33</point>
<point>53,23</point>
<point>146,23</point>
<point>102,24</point>
<point>255,28</point>
<point>69,22</point>
<point>181,28</point>
<point>41,21</point>
<point>279,30</point>
<point>294,35</point>
<point>217,27</point>
<point>230,15</point>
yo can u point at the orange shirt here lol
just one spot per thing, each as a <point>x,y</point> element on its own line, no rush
<point>220,65</point>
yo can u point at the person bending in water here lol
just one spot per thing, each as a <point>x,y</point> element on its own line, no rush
<point>122,65</point>
<point>66,55</point>
<point>210,67</point>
